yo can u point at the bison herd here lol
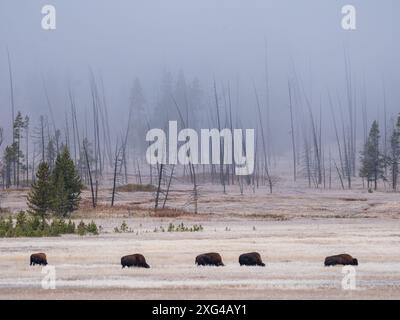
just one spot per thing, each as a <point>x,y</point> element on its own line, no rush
<point>208,259</point>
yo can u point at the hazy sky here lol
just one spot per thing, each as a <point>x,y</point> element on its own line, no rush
<point>221,39</point>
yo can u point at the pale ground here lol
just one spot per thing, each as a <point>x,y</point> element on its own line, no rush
<point>293,231</point>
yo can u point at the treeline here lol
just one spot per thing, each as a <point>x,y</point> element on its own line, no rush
<point>381,163</point>
<point>100,154</point>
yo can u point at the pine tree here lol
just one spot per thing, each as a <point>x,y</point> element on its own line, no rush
<point>40,195</point>
<point>67,184</point>
<point>59,201</point>
<point>393,158</point>
<point>371,158</point>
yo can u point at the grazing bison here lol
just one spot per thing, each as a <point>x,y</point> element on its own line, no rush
<point>134,260</point>
<point>38,258</point>
<point>251,259</point>
<point>343,259</point>
<point>209,259</point>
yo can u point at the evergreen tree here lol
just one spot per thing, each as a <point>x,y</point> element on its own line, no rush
<point>371,158</point>
<point>393,158</point>
<point>66,183</point>
<point>59,202</point>
<point>40,195</point>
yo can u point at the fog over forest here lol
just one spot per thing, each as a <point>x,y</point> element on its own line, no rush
<point>175,51</point>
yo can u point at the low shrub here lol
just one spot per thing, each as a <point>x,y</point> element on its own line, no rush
<point>136,188</point>
<point>123,228</point>
<point>27,225</point>
<point>182,228</point>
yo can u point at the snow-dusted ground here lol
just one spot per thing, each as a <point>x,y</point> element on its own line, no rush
<point>293,250</point>
<point>294,229</point>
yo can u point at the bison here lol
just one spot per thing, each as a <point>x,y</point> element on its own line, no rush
<point>251,259</point>
<point>209,259</point>
<point>343,259</point>
<point>134,260</point>
<point>38,258</point>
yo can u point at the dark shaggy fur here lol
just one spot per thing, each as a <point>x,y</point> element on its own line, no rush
<point>134,260</point>
<point>251,259</point>
<point>209,259</point>
<point>342,259</point>
<point>38,258</point>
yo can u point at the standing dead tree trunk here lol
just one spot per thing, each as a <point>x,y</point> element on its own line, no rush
<point>221,156</point>
<point>116,160</point>
<point>94,198</point>
<point>168,186</point>
<point>292,132</point>
<point>191,165</point>
<point>267,102</point>
<point>263,141</point>
<point>160,173</point>
<point>337,140</point>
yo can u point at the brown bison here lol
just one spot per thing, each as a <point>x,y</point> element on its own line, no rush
<point>343,259</point>
<point>209,259</point>
<point>38,258</point>
<point>134,260</point>
<point>251,259</point>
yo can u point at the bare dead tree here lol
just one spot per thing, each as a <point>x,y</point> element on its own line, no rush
<point>75,127</point>
<point>138,170</point>
<point>292,131</point>
<point>263,140</point>
<point>191,166</point>
<point>168,186</point>
<point>94,198</point>
<point>42,137</point>
<point>11,90</point>
<point>336,134</point>
<point>116,161</point>
<point>351,113</point>
<point>267,102</point>
<point>1,136</point>
<point>221,156</point>
<point>160,174</point>
<point>339,175</point>
<point>49,105</point>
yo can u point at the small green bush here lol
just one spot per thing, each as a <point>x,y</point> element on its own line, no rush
<point>27,225</point>
<point>182,228</point>
<point>123,228</point>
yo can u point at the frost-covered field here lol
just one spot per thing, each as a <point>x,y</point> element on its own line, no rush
<point>293,250</point>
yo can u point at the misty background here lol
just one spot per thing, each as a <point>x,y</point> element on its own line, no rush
<point>164,43</point>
